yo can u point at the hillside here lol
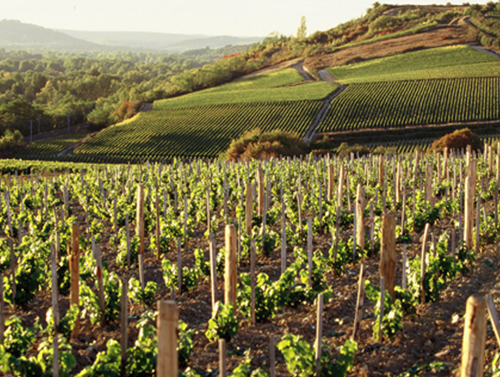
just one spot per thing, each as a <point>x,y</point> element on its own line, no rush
<point>15,35</point>
<point>397,73</point>
<point>159,41</point>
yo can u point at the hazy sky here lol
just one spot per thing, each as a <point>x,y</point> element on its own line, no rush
<point>211,17</point>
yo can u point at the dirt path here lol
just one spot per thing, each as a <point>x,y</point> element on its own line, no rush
<point>467,21</point>
<point>484,49</point>
<point>299,67</point>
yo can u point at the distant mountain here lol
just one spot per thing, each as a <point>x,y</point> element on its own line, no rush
<point>15,35</point>
<point>159,41</point>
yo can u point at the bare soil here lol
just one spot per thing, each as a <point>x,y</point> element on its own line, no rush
<point>428,336</point>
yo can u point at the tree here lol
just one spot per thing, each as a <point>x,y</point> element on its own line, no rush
<point>302,30</point>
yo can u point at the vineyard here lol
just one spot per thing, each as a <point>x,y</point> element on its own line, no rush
<point>438,63</point>
<point>407,103</point>
<point>50,148</point>
<point>316,266</point>
<point>202,132</point>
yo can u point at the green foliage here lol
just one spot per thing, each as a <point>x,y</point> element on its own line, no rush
<point>17,337</point>
<point>112,296</point>
<point>185,343</point>
<point>443,62</point>
<point>419,102</point>
<point>203,137</point>
<point>66,323</point>
<point>107,363</point>
<point>223,324</point>
<point>300,357</point>
<point>144,297</point>
<point>393,313</point>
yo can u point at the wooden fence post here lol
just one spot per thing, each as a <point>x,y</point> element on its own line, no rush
<point>474,339</point>
<point>388,252</point>
<point>340,188</point>
<point>309,249</point>
<point>167,362</point>
<point>230,267</point>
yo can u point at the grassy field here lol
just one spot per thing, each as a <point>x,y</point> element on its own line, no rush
<point>404,103</point>
<point>304,92</point>
<point>445,62</point>
<point>50,147</point>
<point>203,131</point>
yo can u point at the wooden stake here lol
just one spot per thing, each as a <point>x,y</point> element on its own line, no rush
<point>340,188</point>
<point>213,271</point>
<point>140,217</point>
<point>55,311</point>
<point>381,312</point>
<point>272,357</point>
<point>158,241</point>
<point>74,263</point>
<point>478,222</point>
<point>492,311</point>
<point>97,255</point>
<point>283,237</point>
<point>260,192</point>
<point>403,279</point>
<point>309,249</point>
<point>248,210</point>
<point>319,333</point>
<point>422,262</point>
<point>179,266</point>
<point>360,301</point>
<point>252,279</point>
<point>230,267</point>
<point>388,252</point>
<point>468,212</point>
<point>127,233</point>
<point>124,325</point>
<point>222,358</point>
<point>360,205</point>
<point>167,363</point>
<point>474,339</point>
<point>331,183</point>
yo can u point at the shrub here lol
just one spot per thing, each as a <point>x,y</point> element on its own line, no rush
<point>256,145</point>
<point>127,110</point>
<point>457,140</point>
<point>10,143</point>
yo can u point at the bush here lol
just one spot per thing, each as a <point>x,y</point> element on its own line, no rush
<point>10,143</point>
<point>457,140</point>
<point>346,149</point>
<point>256,145</point>
<point>127,110</point>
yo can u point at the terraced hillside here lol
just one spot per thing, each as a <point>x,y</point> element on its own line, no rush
<point>203,124</point>
<point>437,86</point>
